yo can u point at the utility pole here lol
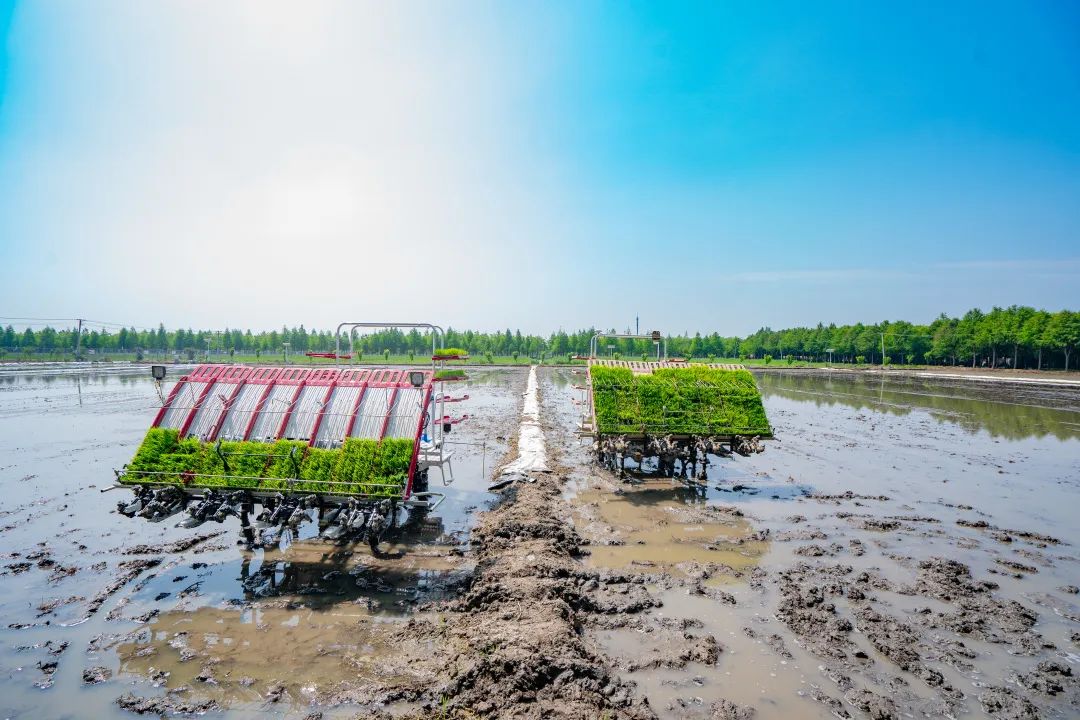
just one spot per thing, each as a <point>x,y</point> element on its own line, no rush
<point>882,349</point>
<point>637,324</point>
<point>78,338</point>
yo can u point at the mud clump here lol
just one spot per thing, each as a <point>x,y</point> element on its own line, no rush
<point>898,641</point>
<point>874,705</point>
<point>164,706</point>
<point>948,580</point>
<point>805,610</point>
<point>1051,677</point>
<point>727,710</point>
<point>880,524</point>
<point>1002,702</point>
<point>95,675</point>
<point>1017,567</point>
<point>176,546</point>
<point>127,571</point>
<point>890,637</point>
<point>978,612</point>
<point>847,495</point>
<point>1007,535</point>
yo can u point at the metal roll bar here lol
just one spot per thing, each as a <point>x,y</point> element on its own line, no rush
<point>437,333</point>
<point>650,336</point>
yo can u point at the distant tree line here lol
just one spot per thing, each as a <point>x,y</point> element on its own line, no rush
<point>1019,337</point>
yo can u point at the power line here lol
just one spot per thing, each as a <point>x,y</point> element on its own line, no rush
<point>30,319</point>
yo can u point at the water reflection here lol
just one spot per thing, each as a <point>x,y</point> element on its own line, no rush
<point>1008,411</point>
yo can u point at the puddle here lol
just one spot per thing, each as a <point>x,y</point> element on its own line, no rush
<point>748,672</point>
<point>658,530</point>
<point>237,655</point>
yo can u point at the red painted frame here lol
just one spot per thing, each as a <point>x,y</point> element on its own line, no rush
<point>241,379</point>
<point>261,376</point>
<point>416,442</point>
<point>331,378</point>
<point>291,376</point>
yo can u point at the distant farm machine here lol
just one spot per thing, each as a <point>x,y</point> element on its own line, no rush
<point>280,446</point>
<point>668,416</point>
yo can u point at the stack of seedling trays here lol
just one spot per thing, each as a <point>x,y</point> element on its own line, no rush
<point>683,402</point>
<point>360,467</point>
<point>450,373</point>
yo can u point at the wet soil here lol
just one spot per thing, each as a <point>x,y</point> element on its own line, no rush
<point>888,557</point>
<point>907,548</point>
<point>119,595</point>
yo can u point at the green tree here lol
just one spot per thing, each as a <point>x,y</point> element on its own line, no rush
<point>1033,334</point>
<point>1063,332</point>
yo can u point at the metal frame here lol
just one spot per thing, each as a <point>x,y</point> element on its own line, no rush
<point>438,335</point>
<point>622,336</point>
<point>431,415</point>
<point>261,376</point>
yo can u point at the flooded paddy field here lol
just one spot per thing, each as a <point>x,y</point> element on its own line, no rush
<point>905,548</point>
<point>96,605</point>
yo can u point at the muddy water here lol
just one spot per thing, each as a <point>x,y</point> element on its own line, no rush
<point>787,559</point>
<point>655,531</point>
<point>867,476</point>
<point>305,616</point>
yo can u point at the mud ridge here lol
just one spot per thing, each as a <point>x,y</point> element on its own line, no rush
<point>513,641</point>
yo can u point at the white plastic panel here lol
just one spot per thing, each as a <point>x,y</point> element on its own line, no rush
<point>372,413</point>
<point>240,413</point>
<point>182,404</point>
<point>269,418</point>
<point>304,413</point>
<point>336,417</point>
<point>207,415</point>
<point>406,415</point>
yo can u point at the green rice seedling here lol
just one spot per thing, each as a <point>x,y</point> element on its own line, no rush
<point>686,401</point>
<point>320,465</point>
<point>392,464</point>
<point>357,457</point>
<point>158,441</point>
<point>246,459</point>
<point>362,466</point>
<point>282,467</point>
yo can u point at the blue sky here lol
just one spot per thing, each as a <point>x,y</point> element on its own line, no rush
<point>712,166</point>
